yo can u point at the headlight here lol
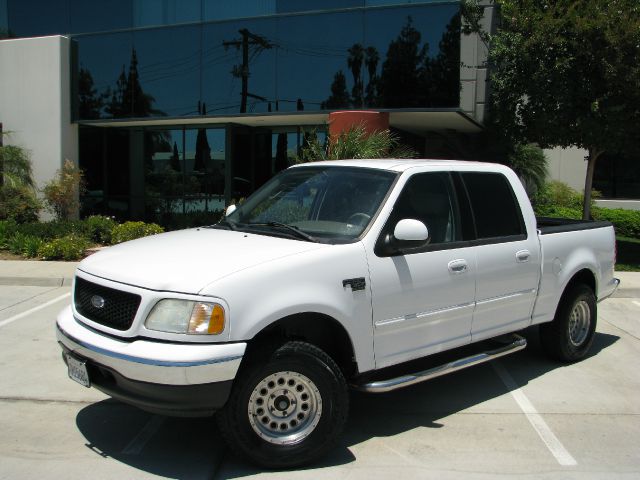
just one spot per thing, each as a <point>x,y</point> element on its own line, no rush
<point>185,316</point>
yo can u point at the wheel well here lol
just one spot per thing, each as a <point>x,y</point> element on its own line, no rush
<point>317,329</point>
<point>583,277</point>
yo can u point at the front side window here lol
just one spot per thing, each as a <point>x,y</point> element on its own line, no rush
<point>429,198</point>
<point>495,208</point>
<point>326,204</point>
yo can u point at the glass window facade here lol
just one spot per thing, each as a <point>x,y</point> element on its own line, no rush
<point>396,57</point>
<point>617,176</point>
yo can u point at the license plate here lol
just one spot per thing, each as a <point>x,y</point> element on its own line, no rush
<point>78,371</point>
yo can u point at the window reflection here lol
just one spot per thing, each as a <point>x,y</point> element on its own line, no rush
<point>285,6</point>
<point>222,10</point>
<point>99,15</point>
<point>33,18</point>
<point>231,81</point>
<point>165,12</point>
<point>168,72</point>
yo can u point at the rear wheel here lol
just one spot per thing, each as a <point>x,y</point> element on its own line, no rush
<point>287,411</point>
<point>570,335</point>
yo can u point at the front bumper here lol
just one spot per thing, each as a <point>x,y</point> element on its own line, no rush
<point>169,378</point>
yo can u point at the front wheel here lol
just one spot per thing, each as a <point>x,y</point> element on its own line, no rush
<point>287,411</point>
<point>569,336</point>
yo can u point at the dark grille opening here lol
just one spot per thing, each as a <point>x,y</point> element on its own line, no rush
<point>118,308</point>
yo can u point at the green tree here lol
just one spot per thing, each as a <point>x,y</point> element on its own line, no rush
<point>15,166</point>
<point>339,95</point>
<point>530,164</point>
<point>567,73</point>
<point>62,193</point>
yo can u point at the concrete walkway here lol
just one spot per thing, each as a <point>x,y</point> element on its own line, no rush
<point>58,274</point>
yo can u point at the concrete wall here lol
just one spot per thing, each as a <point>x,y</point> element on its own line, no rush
<point>35,90</point>
<point>474,90</point>
<point>568,165</point>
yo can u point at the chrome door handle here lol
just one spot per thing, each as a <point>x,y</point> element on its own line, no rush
<point>457,266</point>
<point>523,256</point>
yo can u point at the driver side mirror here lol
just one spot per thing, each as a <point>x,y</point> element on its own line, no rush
<point>408,234</point>
<point>230,209</point>
<point>409,230</point>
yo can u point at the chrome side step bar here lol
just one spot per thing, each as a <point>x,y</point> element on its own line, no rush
<point>382,386</point>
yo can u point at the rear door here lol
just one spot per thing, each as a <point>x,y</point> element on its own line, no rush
<point>508,263</point>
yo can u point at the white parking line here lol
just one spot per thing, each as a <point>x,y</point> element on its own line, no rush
<point>33,310</point>
<point>554,445</point>
<point>136,445</point>
<point>636,303</point>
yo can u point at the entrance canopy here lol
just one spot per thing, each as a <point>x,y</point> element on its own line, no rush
<point>414,121</point>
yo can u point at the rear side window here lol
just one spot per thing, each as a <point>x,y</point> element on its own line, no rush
<point>495,209</point>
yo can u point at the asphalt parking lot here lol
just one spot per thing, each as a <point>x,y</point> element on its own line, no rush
<point>523,416</point>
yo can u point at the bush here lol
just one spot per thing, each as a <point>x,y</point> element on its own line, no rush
<point>53,229</point>
<point>558,194</point>
<point>8,229</point>
<point>626,222</point>
<point>98,228</point>
<point>132,230</point>
<point>25,245</point>
<point>62,193</point>
<point>19,203</point>
<point>70,247</point>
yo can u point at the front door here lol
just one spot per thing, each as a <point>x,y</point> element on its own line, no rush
<point>423,299</point>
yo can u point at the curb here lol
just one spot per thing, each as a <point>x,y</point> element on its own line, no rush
<point>37,281</point>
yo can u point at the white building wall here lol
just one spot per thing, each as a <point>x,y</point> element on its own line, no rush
<point>567,165</point>
<point>35,90</point>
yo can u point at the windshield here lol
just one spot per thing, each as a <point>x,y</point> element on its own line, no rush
<point>327,204</point>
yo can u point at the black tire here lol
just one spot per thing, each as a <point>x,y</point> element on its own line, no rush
<point>569,336</point>
<point>305,409</point>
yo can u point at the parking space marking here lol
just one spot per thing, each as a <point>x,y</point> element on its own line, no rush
<point>33,310</point>
<point>136,445</point>
<point>554,445</point>
<point>636,303</point>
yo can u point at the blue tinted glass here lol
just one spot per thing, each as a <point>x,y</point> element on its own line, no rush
<point>285,6</point>
<point>103,62</point>
<point>168,70</point>
<point>313,60</point>
<point>412,57</point>
<point>222,60</point>
<point>222,10</point>
<point>4,19</point>
<point>32,18</point>
<point>99,15</point>
<point>371,3</point>
<point>165,12</point>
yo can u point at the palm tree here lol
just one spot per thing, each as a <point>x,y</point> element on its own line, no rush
<point>355,143</point>
<point>530,164</point>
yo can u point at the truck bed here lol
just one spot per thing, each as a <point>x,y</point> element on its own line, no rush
<point>548,225</point>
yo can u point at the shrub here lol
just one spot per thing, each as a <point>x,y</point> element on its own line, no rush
<point>7,229</point>
<point>98,228</point>
<point>132,230</point>
<point>70,247</point>
<point>626,222</point>
<point>19,203</point>
<point>25,245</point>
<point>558,194</point>
<point>53,229</point>
<point>62,193</point>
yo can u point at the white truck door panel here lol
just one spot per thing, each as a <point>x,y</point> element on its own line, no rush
<point>508,256</point>
<point>421,306</point>
<point>423,295</point>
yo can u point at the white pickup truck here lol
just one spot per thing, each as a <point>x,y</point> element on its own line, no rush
<point>332,275</point>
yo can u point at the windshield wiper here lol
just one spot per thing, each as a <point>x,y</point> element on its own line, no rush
<point>284,226</point>
<point>224,223</point>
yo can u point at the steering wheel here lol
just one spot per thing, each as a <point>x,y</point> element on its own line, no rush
<point>359,218</point>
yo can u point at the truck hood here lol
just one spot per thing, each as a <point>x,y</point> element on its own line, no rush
<point>186,261</point>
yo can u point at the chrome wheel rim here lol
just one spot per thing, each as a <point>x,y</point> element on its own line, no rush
<point>284,408</point>
<point>579,323</point>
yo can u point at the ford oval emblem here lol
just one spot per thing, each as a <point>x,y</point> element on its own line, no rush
<point>97,301</point>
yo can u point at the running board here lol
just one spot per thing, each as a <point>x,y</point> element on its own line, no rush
<point>381,386</point>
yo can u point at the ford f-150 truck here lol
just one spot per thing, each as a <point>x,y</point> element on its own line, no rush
<point>365,274</point>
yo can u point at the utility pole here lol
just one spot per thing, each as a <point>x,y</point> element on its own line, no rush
<point>242,71</point>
